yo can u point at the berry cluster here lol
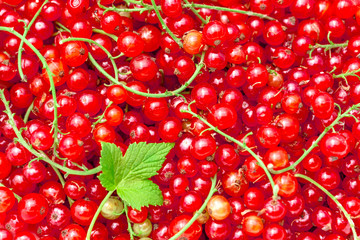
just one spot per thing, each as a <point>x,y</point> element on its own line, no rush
<point>260,99</point>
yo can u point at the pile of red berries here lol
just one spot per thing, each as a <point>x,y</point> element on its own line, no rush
<point>261,99</point>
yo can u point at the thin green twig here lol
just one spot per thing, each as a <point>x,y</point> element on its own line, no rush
<point>26,30</point>
<point>198,212</point>
<point>338,204</point>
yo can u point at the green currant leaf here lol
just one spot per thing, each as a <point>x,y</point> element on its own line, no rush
<point>130,174</point>
<point>111,157</point>
<point>139,193</point>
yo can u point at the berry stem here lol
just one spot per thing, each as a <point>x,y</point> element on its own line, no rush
<point>114,37</point>
<point>51,80</point>
<point>28,112</point>
<point>327,47</point>
<point>101,117</point>
<point>152,95</point>
<point>26,30</point>
<point>41,156</point>
<point>146,7</point>
<point>315,144</point>
<point>116,70</point>
<point>116,9</point>
<point>346,214</point>
<point>62,181</point>
<point>130,230</point>
<point>344,75</point>
<point>164,26</point>
<point>18,198</point>
<point>204,21</point>
<point>62,27</point>
<point>198,212</point>
<point>241,144</point>
<point>249,13</point>
<point>93,220</point>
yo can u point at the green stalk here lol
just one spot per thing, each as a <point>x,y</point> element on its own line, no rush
<point>147,7</point>
<point>204,21</point>
<point>315,144</point>
<point>344,75</point>
<point>51,80</point>
<point>26,30</point>
<point>116,70</point>
<point>249,13</point>
<point>346,214</point>
<point>164,26</point>
<point>152,95</point>
<point>40,156</point>
<point>62,181</point>
<point>62,27</point>
<point>28,111</point>
<point>241,144</point>
<point>101,117</point>
<point>18,198</point>
<point>93,220</point>
<point>114,37</point>
<point>198,212</point>
<point>130,230</point>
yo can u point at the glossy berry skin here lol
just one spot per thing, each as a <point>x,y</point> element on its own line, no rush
<point>334,145</point>
<point>214,33</point>
<point>137,216</point>
<point>323,105</point>
<point>172,9</point>
<point>192,233</point>
<point>223,116</point>
<point>252,225</point>
<point>71,147</point>
<point>218,207</point>
<point>74,53</point>
<point>287,183</point>
<point>5,166</point>
<point>82,211</point>
<point>274,232</point>
<point>7,199</point>
<point>130,44</point>
<point>217,230</point>
<point>33,208</point>
<point>143,68</point>
<point>72,232</point>
<point>204,95</point>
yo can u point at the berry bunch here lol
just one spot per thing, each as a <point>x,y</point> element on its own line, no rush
<point>179,120</point>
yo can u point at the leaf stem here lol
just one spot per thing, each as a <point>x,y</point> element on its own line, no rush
<point>26,30</point>
<point>93,220</point>
<point>241,144</point>
<point>346,214</point>
<point>201,209</point>
<point>315,144</point>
